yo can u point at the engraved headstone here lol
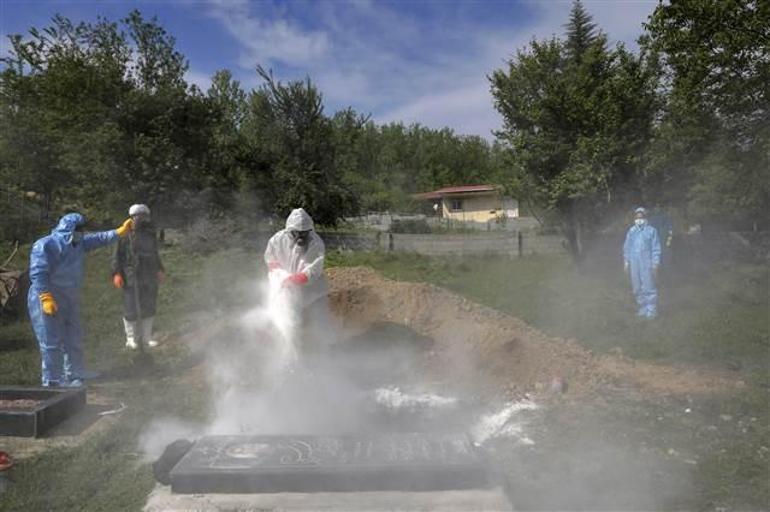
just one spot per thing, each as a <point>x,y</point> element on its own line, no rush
<point>263,464</point>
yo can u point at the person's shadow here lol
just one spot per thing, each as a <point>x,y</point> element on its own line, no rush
<point>82,420</point>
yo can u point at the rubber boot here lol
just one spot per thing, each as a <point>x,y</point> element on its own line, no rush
<point>147,332</point>
<point>130,327</point>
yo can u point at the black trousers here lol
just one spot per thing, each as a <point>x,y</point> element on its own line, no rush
<point>148,297</point>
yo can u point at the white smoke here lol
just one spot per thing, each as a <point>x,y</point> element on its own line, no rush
<point>503,423</point>
<point>263,381</point>
<point>394,398</point>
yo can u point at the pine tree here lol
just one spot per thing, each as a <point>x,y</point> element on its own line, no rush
<point>581,32</point>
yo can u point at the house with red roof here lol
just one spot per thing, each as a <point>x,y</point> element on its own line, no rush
<point>471,203</point>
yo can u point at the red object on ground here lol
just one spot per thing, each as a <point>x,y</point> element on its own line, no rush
<point>559,384</point>
<point>6,462</point>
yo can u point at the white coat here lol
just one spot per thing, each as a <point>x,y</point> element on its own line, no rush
<point>283,250</point>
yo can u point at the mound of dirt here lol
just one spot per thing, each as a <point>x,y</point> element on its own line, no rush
<point>479,346</point>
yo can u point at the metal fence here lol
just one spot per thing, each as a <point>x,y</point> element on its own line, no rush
<point>512,244</point>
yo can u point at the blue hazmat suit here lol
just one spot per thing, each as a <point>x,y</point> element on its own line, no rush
<point>56,265</point>
<point>641,253</point>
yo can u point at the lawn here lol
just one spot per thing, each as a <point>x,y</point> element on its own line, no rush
<point>714,315</point>
<point>107,472</point>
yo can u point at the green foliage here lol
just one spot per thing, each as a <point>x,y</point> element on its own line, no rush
<point>577,119</point>
<point>300,145</point>
<point>97,118</point>
<point>98,115</point>
<point>386,164</point>
<point>713,148</point>
<point>581,32</point>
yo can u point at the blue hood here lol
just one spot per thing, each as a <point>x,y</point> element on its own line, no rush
<point>68,224</point>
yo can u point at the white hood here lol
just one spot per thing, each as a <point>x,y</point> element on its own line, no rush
<point>299,220</point>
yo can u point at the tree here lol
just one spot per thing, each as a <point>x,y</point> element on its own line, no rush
<point>98,115</point>
<point>59,91</point>
<point>714,142</point>
<point>290,130</point>
<point>224,172</point>
<point>581,33</point>
<point>577,119</point>
<point>157,64</point>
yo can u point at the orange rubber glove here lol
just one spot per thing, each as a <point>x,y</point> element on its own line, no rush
<point>161,276</point>
<point>6,462</point>
<point>48,303</point>
<point>297,279</point>
<point>124,228</point>
<point>117,281</point>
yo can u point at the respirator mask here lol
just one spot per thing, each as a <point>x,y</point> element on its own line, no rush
<point>640,222</point>
<point>301,238</point>
<point>140,219</point>
<point>77,235</point>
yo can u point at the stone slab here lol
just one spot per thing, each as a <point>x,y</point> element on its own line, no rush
<point>468,500</point>
<point>270,464</point>
<point>55,406</point>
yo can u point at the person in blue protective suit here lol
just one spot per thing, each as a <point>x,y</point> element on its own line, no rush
<point>56,267</point>
<point>641,259</point>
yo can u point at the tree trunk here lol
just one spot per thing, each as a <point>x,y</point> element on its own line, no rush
<point>574,232</point>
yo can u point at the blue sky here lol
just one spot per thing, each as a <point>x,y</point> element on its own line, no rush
<point>419,61</point>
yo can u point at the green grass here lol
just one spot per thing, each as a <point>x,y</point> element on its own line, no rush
<point>736,472</point>
<point>106,472</point>
<point>717,316</point>
<point>711,313</point>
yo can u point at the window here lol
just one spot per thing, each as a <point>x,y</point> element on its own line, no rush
<point>455,204</point>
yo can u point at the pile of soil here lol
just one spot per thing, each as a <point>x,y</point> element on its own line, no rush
<point>494,352</point>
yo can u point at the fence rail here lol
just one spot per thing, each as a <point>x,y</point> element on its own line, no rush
<point>513,244</point>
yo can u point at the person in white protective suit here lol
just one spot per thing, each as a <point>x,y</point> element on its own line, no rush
<point>295,259</point>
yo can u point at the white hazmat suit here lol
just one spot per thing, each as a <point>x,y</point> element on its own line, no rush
<point>295,258</point>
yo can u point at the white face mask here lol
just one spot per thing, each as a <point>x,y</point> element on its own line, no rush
<point>640,222</point>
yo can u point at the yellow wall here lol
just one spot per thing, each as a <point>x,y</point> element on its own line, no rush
<point>476,207</point>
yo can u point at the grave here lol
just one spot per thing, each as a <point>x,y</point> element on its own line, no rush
<point>308,464</point>
<point>30,411</point>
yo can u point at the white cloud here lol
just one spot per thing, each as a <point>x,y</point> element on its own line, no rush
<point>384,60</point>
<point>467,110</point>
<point>264,41</point>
